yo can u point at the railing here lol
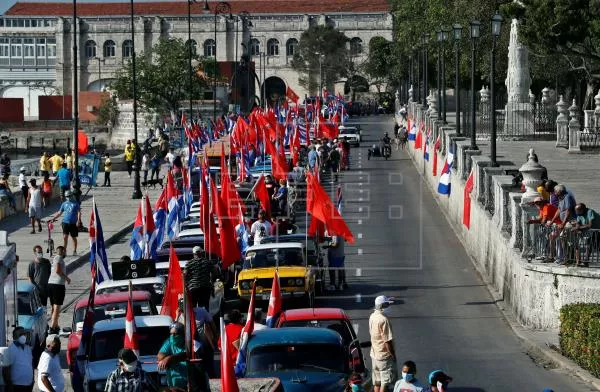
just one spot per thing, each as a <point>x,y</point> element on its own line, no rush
<point>572,246</point>
<point>589,138</point>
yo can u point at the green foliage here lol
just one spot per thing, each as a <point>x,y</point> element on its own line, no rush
<point>580,335</point>
<point>385,62</point>
<point>108,111</point>
<point>335,57</point>
<point>163,79</point>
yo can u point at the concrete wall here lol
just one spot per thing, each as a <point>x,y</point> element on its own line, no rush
<point>534,292</point>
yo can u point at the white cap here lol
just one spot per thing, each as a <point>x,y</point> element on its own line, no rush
<point>22,169</point>
<point>382,299</point>
<point>196,249</point>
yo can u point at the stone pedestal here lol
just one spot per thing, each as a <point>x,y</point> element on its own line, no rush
<point>532,175</point>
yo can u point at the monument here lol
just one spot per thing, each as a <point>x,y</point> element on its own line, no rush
<point>518,120</point>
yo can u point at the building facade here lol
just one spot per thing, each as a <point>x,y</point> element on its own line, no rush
<point>36,39</point>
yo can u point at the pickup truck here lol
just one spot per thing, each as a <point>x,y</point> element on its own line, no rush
<point>352,135</point>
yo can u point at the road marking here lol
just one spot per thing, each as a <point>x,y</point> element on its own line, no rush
<point>360,198</point>
<point>360,190</point>
<point>360,221</point>
<point>360,209</point>
<point>358,298</point>
<point>360,178</point>
<point>360,184</point>
<point>359,236</point>
<point>355,326</point>
<point>358,272</point>
<point>360,251</point>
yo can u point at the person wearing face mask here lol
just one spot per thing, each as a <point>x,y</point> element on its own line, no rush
<point>38,273</point>
<point>409,382</point>
<point>438,381</point>
<point>172,356</point>
<point>129,376</point>
<point>18,373</point>
<point>383,355</point>
<point>50,377</point>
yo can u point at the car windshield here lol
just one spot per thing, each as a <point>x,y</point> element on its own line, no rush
<point>115,310</point>
<point>281,257</point>
<point>156,290</point>
<point>348,131</point>
<point>339,326</point>
<point>24,304</point>
<point>305,357</point>
<point>106,344</point>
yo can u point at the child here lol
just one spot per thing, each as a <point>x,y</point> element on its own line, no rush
<point>46,190</point>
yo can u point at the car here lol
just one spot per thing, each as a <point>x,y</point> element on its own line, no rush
<point>107,340</point>
<point>31,315</point>
<point>106,306</point>
<point>185,242</point>
<point>190,232</point>
<point>296,277</point>
<point>162,267</point>
<point>352,135</point>
<point>154,285</point>
<point>296,357</point>
<point>191,223</point>
<point>314,256</point>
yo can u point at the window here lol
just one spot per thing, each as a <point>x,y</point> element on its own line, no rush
<point>210,48</point>
<point>194,47</point>
<point>16,51</point>
<point>127,48</point>
<point>29,51</point>
<point>272,47</point>
<point>254,47</point>
<point>90,49</point>
<point>355,46</point>
<point>4,51</point>
<point>109,48</point>
<point>291,46</point>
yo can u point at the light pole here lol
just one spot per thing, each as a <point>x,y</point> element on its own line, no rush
<point>190,50</point>
<point>264,78</point>
<point>99,69</point>
<point>457,30</point>
<point>76,183</point>
<point>439,74</point>
<point>496,29</point>
<point>137,192</point>
<point>445,33</point>
<point>474,33</point>
<point>417,80</point>
<point>221,8</point>
<point>243,17</point>
<point>424,40</point>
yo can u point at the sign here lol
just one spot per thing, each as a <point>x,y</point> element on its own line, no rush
<point>88,169</point>
<point>133,270</point>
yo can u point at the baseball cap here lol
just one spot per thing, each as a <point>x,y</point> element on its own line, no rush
<point>438,375</point>
<point>381,300</point>
<point>68,194</point>
<point>22,169</point>
<point>196,249</point>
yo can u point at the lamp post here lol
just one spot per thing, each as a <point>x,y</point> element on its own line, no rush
<point>417,80</point>
<point>424,40</point>
<point>445,33</point>
<point>439,73</point>
<point>76,183</point>
<point>410,73</point>
<point>190,52</point>
<point>243,17</point>
<point>474,34</point>
<point>264,78</point>
<point>496,29</point>
<point>99,69</point>
<point>221,8</point>
<point>137,192</point>
<point>457,33</point>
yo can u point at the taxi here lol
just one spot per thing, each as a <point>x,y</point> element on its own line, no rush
<point>296,277</point>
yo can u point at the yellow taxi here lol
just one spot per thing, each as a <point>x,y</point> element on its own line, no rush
<point>296,277</point>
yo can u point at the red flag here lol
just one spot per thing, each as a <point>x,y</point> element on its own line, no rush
<point>436,146</point>
<point>230,252</point>
<point>291,95</point>
<point>190,325</point>
<point>82,143</point>
<point>295,147</point>
<point>174,287</point>
<point>207,220</point>
<point>316,228</point>
<point>131,337</point>
<point>278,163</point>
<point>228,380</point>
<point>467,201</point>
<point>262,194</point>
<point>274,302</point>
<point>419,139</point>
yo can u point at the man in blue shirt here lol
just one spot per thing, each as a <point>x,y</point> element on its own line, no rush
<point>71,213</point>
<point>312,157</point>
<point>63,176</point>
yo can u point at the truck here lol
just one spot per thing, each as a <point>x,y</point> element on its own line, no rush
<point>8,296</point>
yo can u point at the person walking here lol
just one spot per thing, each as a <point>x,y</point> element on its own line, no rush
<point>172,356</point>
<point>5,166</point>
<point>198,275</point>
<point>71,213</point>
<point>23,184</point>
<point>129,156</point>
<point>129,375</point>
<point>336,257</point>
<point>34,206</point>
<point>155,166</point>
<point>107,169</point>
<point>145,165</point>
<point>383,354</point>
<point>56,287</point>
<point>50,377</point>
<point>409,382</point>
<point>45,164</point>
<point>18,370</point>
<point>38,272</point>
<point>46,190</point>
<point>56,161</point>
<point>63,176</point>
<point>261,228</point>
<point>69,159</point>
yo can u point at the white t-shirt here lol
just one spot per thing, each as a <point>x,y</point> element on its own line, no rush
<point>35,198</point>
<point>170,157</point>
<point>403,386</point>
<point>145,162</point>
<point>49,366</point>
<point>21,369</point>
<point>260,230</point>
<point>22,180</point>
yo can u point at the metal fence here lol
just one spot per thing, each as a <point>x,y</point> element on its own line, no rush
<point>589,138</point>
<point>570,246</point>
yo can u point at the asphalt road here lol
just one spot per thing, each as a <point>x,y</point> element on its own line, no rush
<point>444,317</point>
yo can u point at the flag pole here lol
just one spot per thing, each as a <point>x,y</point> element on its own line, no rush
<point>95,266</point>
<point>144,227</point>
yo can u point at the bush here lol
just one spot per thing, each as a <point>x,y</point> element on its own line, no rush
<point>580,335</point>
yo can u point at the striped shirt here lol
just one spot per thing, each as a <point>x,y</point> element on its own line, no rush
<point>198,273</point>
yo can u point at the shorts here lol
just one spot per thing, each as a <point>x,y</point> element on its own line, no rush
<point>384,371</point>
<point>56,293</point>
<point>35,212</point>
<point>70,229</point>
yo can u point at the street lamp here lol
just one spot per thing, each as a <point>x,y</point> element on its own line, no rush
<point>445,34</point>
<point>221,8</point>
<point>424,40</point>
<point>474,33</point>
<point>76,183</point>
<point>457,33</point>
<point>137,192</point>
<point>496,29</point>
<point>190,2</point>
<point>99,69</point>
<point>417,80</point>
<point>439,73</point>
<point>243,16</point>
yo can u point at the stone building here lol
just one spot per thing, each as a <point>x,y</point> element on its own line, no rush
<point>36,39</point>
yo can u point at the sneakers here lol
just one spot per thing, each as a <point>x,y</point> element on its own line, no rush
<point>74,253</point>
<point>40,228</point>
<point>32,231</point>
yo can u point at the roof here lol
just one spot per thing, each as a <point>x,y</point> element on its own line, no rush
<point>140,322</point>
<point>280,245</point>
<point>24,286</point>
<point>315,314</point>
<point>293,335</point>
<point>190,232</point>
<point>179,8</point>
<point>103,299</point>
<point>113,283</point>
<point>284,238</point>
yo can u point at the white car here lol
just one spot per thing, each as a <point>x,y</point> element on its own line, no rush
<point>154,285</point>
<point>352,135</point>
<point>107,340</point>
<point>191,232</point>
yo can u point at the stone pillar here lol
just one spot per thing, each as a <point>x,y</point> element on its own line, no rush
<point>433,110</point>
<point>516,232</point>
<point>562,124</point>
<point>484,112</point>
<point>532,175</point>
<point>410,94</point>
<point>574,128</point>
<point>597,111</point>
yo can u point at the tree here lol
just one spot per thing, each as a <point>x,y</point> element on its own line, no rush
<point>321,49</point>
<point>163,79</point>
<point>386,64</point>
<point>108,112</point>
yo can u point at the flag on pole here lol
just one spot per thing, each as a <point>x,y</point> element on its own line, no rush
<point>131,337</point>
<point>445,178</point>
<point>436,147</point>
<point>228,380</point>
<point>274,302</point>
<point>98,258</point>
<point>240,365</point>
<point>160,217</point>
<point>86,336</point>
<point>418,139</point>
<point>339,198</point>
<point>426,148</point>
<point>143,237</point>
<point>174,287</point>
<point>467,200</point>
<point>173,207</point>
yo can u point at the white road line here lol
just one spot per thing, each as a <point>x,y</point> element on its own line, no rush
<point>360,190</point>
<point>360,221</point>
<point>358,272</point>
<point>360,178</point>
<point>360,198</point>
<point>355,326</point>
<point>360,251</point>
<point>360,236</point>
<point>358,298</point>
<point>360,183</point>
<point>360,209</point>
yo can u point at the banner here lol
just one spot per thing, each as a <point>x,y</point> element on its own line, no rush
<point>88,169</point>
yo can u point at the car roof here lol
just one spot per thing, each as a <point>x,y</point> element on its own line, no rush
<point>315,314</point>
<point>191,232</point>
<point>24,286</point>
<point>285,238</point>
<point>103,299</point>
<point>293,335</point>
<point>280,245</point>
<point>140,322</point>
<point>165,264</point>
<point>113,283</point>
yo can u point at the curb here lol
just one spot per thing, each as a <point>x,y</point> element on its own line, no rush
<point>528,344</point>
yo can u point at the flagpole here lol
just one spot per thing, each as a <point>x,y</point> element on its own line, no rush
<point>144,228</point>
<point>95,266</point>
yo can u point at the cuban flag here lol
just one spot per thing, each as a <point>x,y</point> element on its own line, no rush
<point>426,148</point>
<point>444,184</point>
<point>274,302</point>
<point>412,134</point>
<point>173,208</point>
<point>98,258</point>
<point>131,337</point>
<point>160,217</point>
<point>143,237</point>
<point>240,363</point>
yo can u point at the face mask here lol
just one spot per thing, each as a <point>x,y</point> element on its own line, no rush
<point>177,340</point>
<point>386,311</point>
<point>441,387</point>
<point>356,388</point>
<point>22,340</point>
<point>408,377</point>
<point>130,368</point>
<point>39,255</point>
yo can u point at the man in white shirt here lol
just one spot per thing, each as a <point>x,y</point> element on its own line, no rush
<point>19,372</point>
<point>170,157</point>
<point>261,228</point>
<point>23,183</point>
<point>50,377</point>
<point>259,320</point>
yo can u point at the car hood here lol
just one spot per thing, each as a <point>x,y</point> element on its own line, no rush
<point>284,272</point>
<point>308,381</point>
<point>100,370</point>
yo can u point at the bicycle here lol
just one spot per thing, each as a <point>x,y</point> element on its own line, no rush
<point>50,241</point>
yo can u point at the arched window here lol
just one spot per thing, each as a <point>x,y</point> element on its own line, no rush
<point>90,49</point>
<point>109,48</point>
<point>127,48</point>
<point>194,46</point>
<point>272,47</point>
<point>210,48</point>
<point>254,47</point>
<point>356,46</point>
<point>291,47</point>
